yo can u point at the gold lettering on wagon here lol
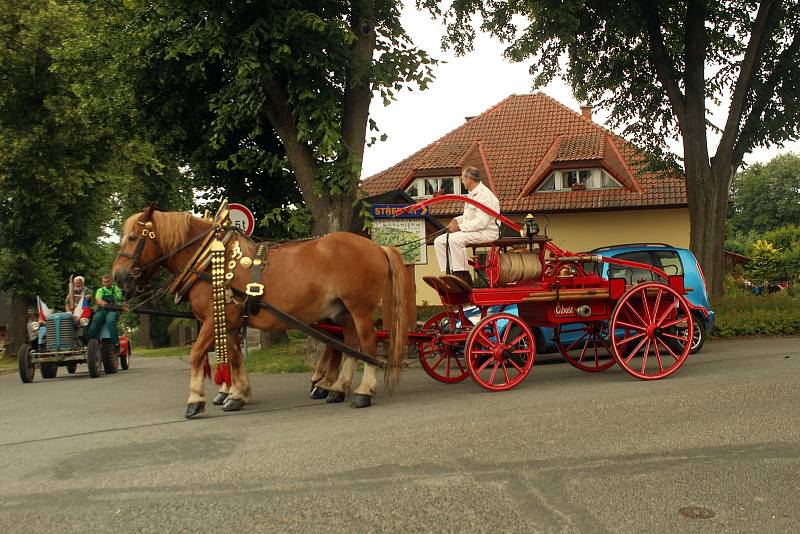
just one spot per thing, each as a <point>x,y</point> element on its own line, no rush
<point>565,310</point>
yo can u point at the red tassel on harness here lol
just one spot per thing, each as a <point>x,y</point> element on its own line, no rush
<point>223,374</point>
<point>206,368</point>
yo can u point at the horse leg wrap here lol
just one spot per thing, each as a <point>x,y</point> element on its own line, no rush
<point>335,397</point>
<point>194,408</point>
<point>220,399</point>
<point>361,401</point>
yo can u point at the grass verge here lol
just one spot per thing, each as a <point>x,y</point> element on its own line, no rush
<point>275,359</point>
<point>772,315</point>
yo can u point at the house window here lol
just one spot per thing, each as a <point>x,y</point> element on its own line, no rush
<point>568,180</point>
<point>428,187</point>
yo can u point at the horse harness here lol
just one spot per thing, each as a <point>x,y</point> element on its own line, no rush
<point>212,254</point>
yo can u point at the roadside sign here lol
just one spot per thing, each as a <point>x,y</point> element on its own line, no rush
<point>396,211</point>
<point>404,230</point>
<point>242,217</point>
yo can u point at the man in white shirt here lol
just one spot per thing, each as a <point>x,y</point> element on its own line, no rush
<point>474,226</point>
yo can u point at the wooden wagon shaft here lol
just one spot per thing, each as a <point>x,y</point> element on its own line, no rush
<point>568,294</point>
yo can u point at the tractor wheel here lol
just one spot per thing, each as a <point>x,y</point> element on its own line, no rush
<point>49,370</point>
<point>27,369</point>
<point>110,361</point>
<point>495,348</point>
<point>442,361</point>
<point>71,368</point>
<point>645,325</point>
<point>93,358</point>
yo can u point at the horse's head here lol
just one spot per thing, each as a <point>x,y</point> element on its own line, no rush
<point>139,248</point>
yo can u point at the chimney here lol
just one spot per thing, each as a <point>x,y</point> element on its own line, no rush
<point>467,119</point>
<point>586,111</point>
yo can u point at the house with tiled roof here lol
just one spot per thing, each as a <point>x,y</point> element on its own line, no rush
<point>589,186</point>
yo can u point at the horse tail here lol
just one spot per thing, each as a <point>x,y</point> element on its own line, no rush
<point>395,308</point>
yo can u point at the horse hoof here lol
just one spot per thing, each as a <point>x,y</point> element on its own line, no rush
<point>319,393</point>
<point>194,408</point>
<point>314,385</point>
<point>232,405</point>
<point>335,396</point>
<point>220,398</point>
<point>361,401</point>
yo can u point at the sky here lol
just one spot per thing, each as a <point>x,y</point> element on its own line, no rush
<point>467,86</point>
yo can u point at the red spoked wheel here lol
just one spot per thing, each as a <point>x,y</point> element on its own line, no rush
<point>442,361</point>
<point>493,267</point>
<point>500,351</point>
<point>649,331</point>
<point>586,345</point>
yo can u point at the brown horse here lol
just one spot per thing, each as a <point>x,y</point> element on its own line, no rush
<point>342,277</point>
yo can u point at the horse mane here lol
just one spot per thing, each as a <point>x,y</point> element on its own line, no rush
<point>171,227</point>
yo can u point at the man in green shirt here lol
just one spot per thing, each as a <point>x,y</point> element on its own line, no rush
<point>105,295</point>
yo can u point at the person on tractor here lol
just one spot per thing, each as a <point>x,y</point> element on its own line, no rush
<point>79,296</point>
<point>474,226</point>
<point>107,295</point>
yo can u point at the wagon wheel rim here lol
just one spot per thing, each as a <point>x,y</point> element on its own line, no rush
<point>498,360</point>
<point>643,327</point>
<point>442,361</point>
<point>591,351</point>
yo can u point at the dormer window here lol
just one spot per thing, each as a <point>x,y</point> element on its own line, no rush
<point>578,179</point>
<point>427,187</point>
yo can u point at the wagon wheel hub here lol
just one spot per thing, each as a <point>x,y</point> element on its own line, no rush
<point>652,331</point>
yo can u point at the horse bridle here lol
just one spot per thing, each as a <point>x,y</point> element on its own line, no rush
<point>147,231</point>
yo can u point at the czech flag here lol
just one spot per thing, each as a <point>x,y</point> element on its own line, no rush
<point>44,311</point>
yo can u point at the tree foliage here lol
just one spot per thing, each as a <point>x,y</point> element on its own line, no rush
<point>765,266</point>
<point>766,197</point>
<point>56,167</point>
<point>653,66</point>
<point>304,73</point>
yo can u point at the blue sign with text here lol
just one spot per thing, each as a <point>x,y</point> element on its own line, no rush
<point>396,211</point>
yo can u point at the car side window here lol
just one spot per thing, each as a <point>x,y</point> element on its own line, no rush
<point>670,262</point>
<point>632,275</point>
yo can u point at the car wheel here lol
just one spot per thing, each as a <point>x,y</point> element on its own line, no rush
<point>27,369</point>
<point>698,335</point>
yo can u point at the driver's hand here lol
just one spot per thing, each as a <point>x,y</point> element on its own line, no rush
<point>453,226</point>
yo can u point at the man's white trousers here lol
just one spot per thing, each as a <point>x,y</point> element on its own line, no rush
<point>458,250</point>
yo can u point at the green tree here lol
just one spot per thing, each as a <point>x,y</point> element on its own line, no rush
<point>303,71</point>
<point>56,168</point>
<point>654,66</point>
<point>766,197</point>
<point>765,267</point>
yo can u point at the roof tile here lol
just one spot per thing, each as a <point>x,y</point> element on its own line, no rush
<point>519,138</point>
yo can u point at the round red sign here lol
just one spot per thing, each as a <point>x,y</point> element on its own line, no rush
<point>242,217</point>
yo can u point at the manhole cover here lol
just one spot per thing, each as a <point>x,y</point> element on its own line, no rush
<point>696,512</point>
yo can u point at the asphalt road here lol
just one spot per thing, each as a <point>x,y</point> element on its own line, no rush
<point>715,448</point>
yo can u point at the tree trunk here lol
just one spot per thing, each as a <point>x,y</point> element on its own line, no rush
<point>273,338</point>
<point>708,202</point>
<point>145,341</point>
<point>332,214</point>
<point>17,334</point>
